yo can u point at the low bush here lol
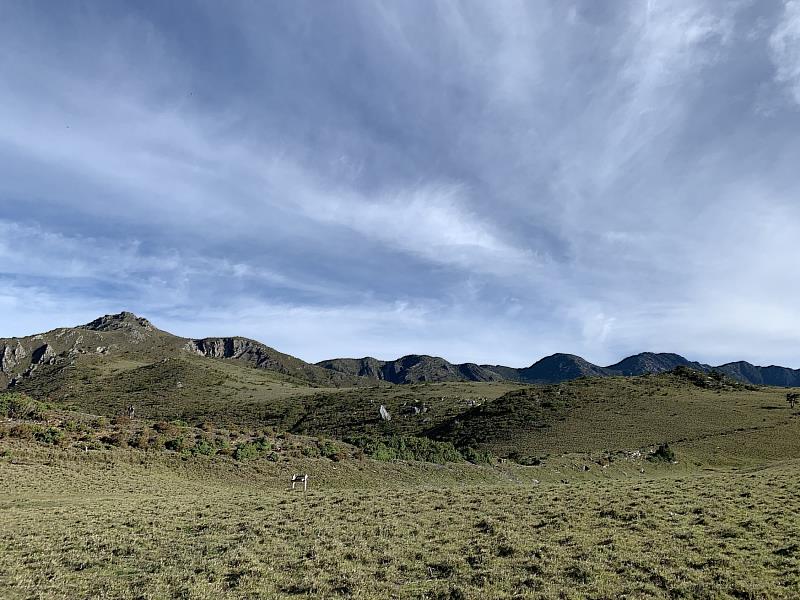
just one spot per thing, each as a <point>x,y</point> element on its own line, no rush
<point>23,431</point>
<point>164,427</point>
<point>204,447</point>
<point>662,454</point>
<point>407,448</point>
<point>121,421</point>
<point>177,444</point>
<point>477,457</point>
<point>116,438</point>
<point>20,406</point>
<point>328,449</point>
<point>253,449</point>
<point>51,435</point>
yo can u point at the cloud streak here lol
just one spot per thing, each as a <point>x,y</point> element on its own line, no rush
<point>486,182</point>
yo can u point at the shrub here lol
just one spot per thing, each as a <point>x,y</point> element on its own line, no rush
<point>330,450</point>
<point>204,447</point>
<point>116,438</point>
<point>176,444</point>
<point>20,406</point>
<point>528,461</point>
<point>253,449</point>
<point>399,447</point>
<point>121,421</point>
<point>662,454</point>
<point>310,452</point>
<point>23,431</point>
<point>478,457</point>
<point>51,435</point>
<point>100,423</point>
<point>165,428</point>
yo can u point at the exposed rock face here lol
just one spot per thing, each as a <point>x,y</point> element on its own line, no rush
<point>241,348</point>
<point>264,357</point>
<point>42,355</point>
<point>138,329</point>
<point>12,356</point>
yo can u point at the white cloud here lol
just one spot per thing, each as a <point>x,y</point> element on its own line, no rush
<point>784,46</point>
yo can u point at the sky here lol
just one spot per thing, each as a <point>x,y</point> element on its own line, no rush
<point>489,182</point>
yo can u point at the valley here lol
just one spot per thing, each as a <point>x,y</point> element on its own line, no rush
<point>677,483</point>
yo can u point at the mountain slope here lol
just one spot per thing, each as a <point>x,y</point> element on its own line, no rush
<point>122,359</point>
<point>556,368</point>
<point>410,369</point>
<point>561,367</point>
<point>651,362</point>
<point>772,375</point>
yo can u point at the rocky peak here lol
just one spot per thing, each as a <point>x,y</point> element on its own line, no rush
<point>124,321</point>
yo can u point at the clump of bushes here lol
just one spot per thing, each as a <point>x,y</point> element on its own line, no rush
<point>23,431</point>
<point>165,428</point>
<point>52,436</point>
<point>477,457</point>
<point>527,461</point>
<point>177,444</point>
<point>252,449</point>
<point>399,447</point>
<point>116,438</point>
<point>20,406</point>
<point>662,454</point>
<point>328,449</point>
<point>204,446</point>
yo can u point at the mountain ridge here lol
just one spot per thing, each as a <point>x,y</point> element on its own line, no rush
<point>128,334</point>
<point>555,368</point>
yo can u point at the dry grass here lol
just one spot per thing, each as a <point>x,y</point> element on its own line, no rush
<point>107,526</point>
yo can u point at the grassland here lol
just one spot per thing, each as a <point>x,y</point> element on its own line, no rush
<point>108,527</point>
<point>98,513</point>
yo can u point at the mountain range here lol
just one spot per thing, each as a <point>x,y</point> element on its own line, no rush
<point>125,336</point>
<point>551,369</point>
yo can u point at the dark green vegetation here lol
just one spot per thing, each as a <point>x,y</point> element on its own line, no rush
<point>681,484</point>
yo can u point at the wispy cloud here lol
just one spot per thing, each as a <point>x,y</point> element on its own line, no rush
<point>487,182</point>
<point>784,46</point>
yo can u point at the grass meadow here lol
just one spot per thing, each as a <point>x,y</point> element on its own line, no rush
<point>115,527</point>
<point>98,506</point>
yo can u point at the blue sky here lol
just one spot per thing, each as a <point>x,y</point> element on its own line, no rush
<point>484,181</point>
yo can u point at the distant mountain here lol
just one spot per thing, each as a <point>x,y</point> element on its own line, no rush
<point>410,369</point>
<point>551,369</point>
<point>772,375</point>
<point>651,362</point>
<point>561,367</point>
<point>53,360</point>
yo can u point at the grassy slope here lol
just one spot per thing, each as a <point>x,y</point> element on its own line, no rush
<point>612,414</point>
<point>106,526</point>
<point>130,524</point>
<point>189,387</point>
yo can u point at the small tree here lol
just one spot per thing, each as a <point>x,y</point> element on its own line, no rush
<point>792,398</point>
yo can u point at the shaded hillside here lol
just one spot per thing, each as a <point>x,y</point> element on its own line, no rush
<point>651,362</point>
<point>410,369</point>
<point>744,371</point>
<point>560,367</point>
